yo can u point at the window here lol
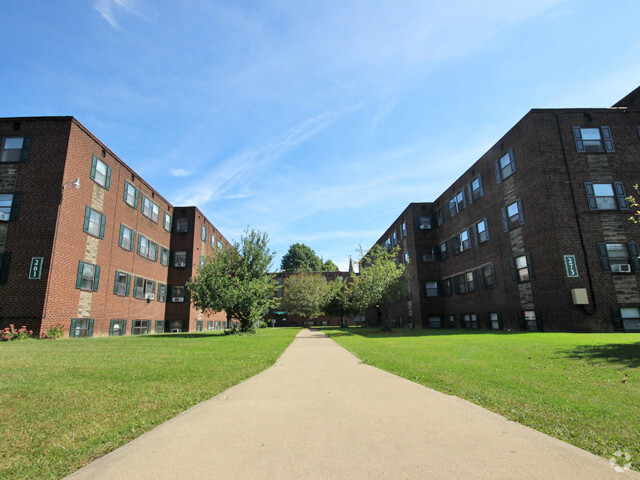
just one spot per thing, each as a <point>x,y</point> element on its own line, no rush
<point>203,233</point>
<point>209,324</point>
<point>444,254</point>
<point>159,326</point>
<point>217,325</point>
<point>127,237</point>
<point>147,248</point>
<point>521,268</point>
<point>439,217</point>
<point>166,221</point>
<point>131,195</point>
<point>606,196</point>
<point>213,241</point>
<point>140,327</point>
<point>494,322</point>
<point>394,238</point>
<point>14,149</point>
<point>403,230</point>
<point>456,204</point>
<point>117,328</point>
<point>619,257</point>
<point>180,259</point>
<point>182,225</point>
<point>5,261</point>
<point>593,139</point>
<point>88,276</point>
<point>100,173</point>
<point>81,328</point>
<point>470,320</point>
<point>219,245</point>
<point>513,216</point>
<point>505,166</point>
<point>425,222</point>
<point>451,321</point>
<point>150,209</point>
<point>432,289</point>
<point>164,256</point>
<point>464,283</point>
<point>435,321</point>
<point>202,260</point>
<point>177,294</point>
<point>626,318</point>
<point>430,254</point>
<point>10,206</point>
<point>405,258</point>
<point>446,289</point>
<point>475,189</point>
<point>198,325</point>
<point>162,293</point>
<point>143,287</point>
<point>530,321</point>
<point>482,231</point>
<point>94,223</point>
<point>122,284</point>
<point>465,242</point>
<point>488,276</point>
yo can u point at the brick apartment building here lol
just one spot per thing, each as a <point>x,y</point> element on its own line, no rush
<point>535,234</point>
<point>86,243</point>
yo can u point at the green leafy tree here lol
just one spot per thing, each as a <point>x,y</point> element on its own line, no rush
<point>381,282</point>
<point>301,258</point>
<point>236,281</point>
<point>329,266</point>
<point>340,303</point>
<point>305,294</point>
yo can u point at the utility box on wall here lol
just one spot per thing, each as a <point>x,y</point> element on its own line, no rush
<point>579,296</point>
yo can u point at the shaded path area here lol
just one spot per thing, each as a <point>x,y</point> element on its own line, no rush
<point>319,413</point>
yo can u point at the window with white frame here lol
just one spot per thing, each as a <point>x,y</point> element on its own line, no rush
<point>456,204</point>
<point>213,241</point>
<point>619,257</point>
<point>494,321</point>
<point>150,209</point>
<point>431,288</point>
<point>505,166</point>
<point>180,259</point>
<point>435,321</point>
<point>606,196</point>
<point>140,327</point>
<point>403,229</point>
<point>630,318</point>
<point>127,238</point>
<point>131,194</point>
<point>143,287</point>
<point>529,321</point>
<point>482,230</point>
<point>513,216</point>
<point>10,206</point>
<point>88,276</point>
<point>177,293</point>
<point>117,328</point>
<point>162,292</point>
<point>81,328</point>
<point>122,284</point>
<point>470,320</point>
<point>14,149</point>
<point>166,221</point>
<point>593,139</point>
<point>94,223</point>
<point>476,188</point>
<point>521,268</point>
<point>203,233</point>
<point>464,283</point>
<point>159,326</point>
<point>164,256</point>
<point>465,241</point>
<point>100,172</point>
<point>488,276</point>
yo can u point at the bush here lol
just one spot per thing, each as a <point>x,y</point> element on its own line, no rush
<point>57,331</point>
<point>263,324</point>
<point>11,333</point>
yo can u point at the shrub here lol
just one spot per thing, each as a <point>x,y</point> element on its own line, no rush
<point>11,333</point>
<point>57,331</point>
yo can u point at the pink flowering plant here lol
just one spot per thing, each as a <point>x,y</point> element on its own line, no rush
<point>56,331</point>
<point>13,333</point>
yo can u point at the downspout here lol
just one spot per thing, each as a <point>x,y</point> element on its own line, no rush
<point>575,209</point>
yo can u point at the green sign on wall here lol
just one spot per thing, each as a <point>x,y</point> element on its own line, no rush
<point>35,271</point>
<point>570,266</point>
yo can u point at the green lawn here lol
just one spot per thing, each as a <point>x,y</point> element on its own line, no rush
<point>581,388</point>
<point>67,402</point>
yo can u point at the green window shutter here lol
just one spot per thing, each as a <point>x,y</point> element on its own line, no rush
<point>153,288</point>
<point>608,139</point>
<point>103,224</point>
<point>26,148</point>
<point>96,278</point>
<point>514,271</point>
<point>15,206</point>
<point>115,285</point>
<point>79,277</point>
<point>155,253</point>
<point>604,259</point>
<point>520,212</point>
<point>72,329</point>
<point>617,319</point>
<point>577,136</point>
<point>135,287</point>
<point>496,165</point>
<point>633,253</point>
<point>90,334</point>
<point>126,188</point>
<point>133,240</point>
<point>121,237</point>
<point>137,199</point>
<point>128,284</point>
<point>94,163</point>
<point>622,197</point>
<point>5,260</point>
<point>591,196</point>
<point>124,327</point>
<point>111,328</point>
<point>107,184</point>
<point>139,243</point>
<point>87,215</point>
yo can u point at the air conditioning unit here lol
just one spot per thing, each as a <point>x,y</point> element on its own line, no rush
<point>149,296</point>
<point>621,268</point>
<point>4,217</point>
<point>180,264</point>
<point>177,299</point>
<point>424,227</point>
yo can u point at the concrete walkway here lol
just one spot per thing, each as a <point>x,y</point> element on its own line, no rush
<point>319,413</point>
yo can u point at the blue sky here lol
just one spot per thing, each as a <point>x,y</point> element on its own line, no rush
<point>315,121</point>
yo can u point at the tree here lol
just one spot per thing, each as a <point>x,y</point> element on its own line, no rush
<point>300,258</point>
<point>329,266</point>
<point>339,303</point>
<point>236,281</point>
<point>305,294</point>
<point>381,281</point>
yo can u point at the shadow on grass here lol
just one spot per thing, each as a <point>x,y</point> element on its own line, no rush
<point>375,332</point>
<point>627,354</point>
<point>201,336</point>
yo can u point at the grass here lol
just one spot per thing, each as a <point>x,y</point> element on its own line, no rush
<point>583,389</point>
<point>67,402</point>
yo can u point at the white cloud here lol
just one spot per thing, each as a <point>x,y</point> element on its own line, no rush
<point>109,8</point>
<point>180,172</point>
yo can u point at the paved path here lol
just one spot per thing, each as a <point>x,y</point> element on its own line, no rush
<point>320,414</point>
